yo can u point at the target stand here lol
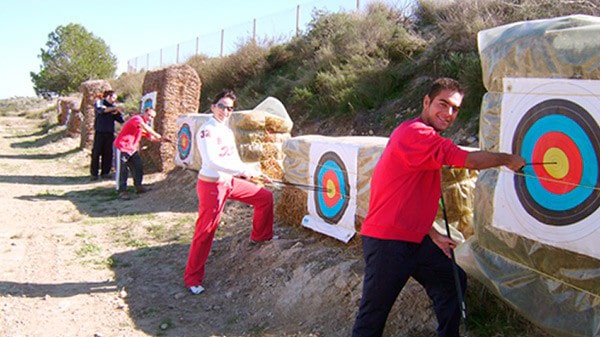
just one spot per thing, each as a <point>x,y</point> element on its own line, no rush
<point>553,124</point>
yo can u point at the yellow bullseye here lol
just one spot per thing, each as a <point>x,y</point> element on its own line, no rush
<point>330,188</point>
<point>561,168</point>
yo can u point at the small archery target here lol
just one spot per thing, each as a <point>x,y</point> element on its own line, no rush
<point>553,125</point>
<point>184,141</point>
<point>148,101</point>
<point>331,205</point>
<point>331,174</point>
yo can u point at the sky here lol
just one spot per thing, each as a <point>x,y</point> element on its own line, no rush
<point>126,26</point>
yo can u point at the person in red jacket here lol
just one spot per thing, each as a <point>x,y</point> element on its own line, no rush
<point>397,234</point>
<point>128,154</point>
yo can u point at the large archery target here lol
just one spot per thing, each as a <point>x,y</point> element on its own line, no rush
<point>332,210</point>
<point>184,141</point>
<point>333,200</point>
<point>554,122</point>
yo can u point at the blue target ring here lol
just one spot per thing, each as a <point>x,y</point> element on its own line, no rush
<point>560,202</point>
<point>567,119</point>
<point>148,103</point>
<point>184,141</point>
<point>332,202</point>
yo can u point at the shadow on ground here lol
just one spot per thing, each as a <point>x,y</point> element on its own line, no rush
<point>101,198</point>
<point>70,289</point>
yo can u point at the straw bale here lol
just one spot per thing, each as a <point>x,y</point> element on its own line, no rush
<point>291,206</point>
<point>66,105</point>
<point>90,90</point>
<point>272,150</point>
<point>74,124</point>
<point>250,152</point>
<point>249,136</point>
<point>177,92</point>
<point>277,124</point>
<point>247,120</point>
<point>458,187</point>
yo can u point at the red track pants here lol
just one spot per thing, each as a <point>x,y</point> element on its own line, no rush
<point>211,200</point>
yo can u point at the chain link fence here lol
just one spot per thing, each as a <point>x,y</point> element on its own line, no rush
<point>278,27</point>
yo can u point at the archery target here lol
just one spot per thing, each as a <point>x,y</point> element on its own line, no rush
<point>184,141</point>
<point>553,124</point>
<point>333,200</point>
<point>148,101</point>
<point>186,151</point>
<point>332,209</point>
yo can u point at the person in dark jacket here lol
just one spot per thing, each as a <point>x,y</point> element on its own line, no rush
<point>107,112</point>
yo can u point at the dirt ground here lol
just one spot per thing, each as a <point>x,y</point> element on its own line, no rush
<point>75,261</point>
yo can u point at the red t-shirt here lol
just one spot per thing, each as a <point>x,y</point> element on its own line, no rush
<point>129,138</point>
<point>406,182</point>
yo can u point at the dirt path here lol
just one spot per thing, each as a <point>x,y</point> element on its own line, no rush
<point>46,288</point>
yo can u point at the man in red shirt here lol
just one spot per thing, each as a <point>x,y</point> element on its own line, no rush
<point>128,155</point>
<point>397,235</point>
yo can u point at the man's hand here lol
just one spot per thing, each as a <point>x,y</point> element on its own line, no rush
<point>445,243</point>
<point>515,162</point>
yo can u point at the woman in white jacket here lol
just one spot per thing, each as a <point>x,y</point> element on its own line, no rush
<point>223,176</point>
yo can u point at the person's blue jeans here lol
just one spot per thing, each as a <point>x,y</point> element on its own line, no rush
<point>389,264</point>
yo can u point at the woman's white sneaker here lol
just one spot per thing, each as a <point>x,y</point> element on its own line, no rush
<point>196,290</point>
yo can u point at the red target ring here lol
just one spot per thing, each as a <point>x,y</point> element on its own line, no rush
<point>570,162</point>
<point>331,195</point>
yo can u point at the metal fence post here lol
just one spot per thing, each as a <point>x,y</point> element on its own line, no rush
<point>177,57</point>
<point>297,20</point>
<point>222,41</point>
<point>254,30</point>
<point>197,44</point>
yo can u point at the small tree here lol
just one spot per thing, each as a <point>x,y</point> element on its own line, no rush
<point>73,56</point>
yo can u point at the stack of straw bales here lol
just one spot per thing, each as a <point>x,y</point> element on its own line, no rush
<point>90,91</point>
<point>260,134</point>
<point>178,92</point>
<point>66,106</point>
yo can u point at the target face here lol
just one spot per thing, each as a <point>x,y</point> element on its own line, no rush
<point>148,101</point>
<point>332,166</point>
<point>332,201</point>
<point>563,136</point>
<point>553,124</point>
<point>184,141</point>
